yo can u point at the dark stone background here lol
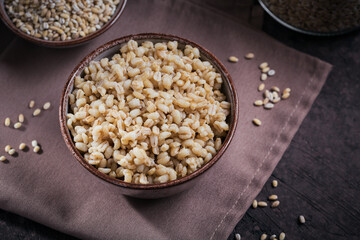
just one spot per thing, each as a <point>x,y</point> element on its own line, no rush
<point>319,174</point>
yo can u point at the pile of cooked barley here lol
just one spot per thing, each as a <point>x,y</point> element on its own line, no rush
<point>318,15</point>
<point>60,20</point>
<point>151,114</point>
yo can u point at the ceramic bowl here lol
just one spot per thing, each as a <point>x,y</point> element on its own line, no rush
<point>304,31</point>
<point>161,189</point>
<point>60,44</point>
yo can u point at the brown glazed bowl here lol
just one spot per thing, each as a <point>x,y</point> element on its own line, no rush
<point>60,44</point>
<point>161,189</point>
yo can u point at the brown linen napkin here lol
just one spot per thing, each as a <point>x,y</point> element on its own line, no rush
<point>52,188</point>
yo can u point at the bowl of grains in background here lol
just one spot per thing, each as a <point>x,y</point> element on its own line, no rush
<point>60,23</point>
<point>315,17</point>
<point>149,113</point>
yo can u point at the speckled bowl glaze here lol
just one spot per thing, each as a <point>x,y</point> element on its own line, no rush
<point>161,189</point>
<point>60,44</point>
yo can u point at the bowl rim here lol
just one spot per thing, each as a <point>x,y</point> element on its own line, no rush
<point>68,43</point>
<point>143,36</point>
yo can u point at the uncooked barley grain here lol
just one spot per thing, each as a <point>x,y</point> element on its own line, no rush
<point>270,96</point>
<point>254,204</point>
<point>275,95</point>
<point>275,88</point>
<point>233,59</point>
<point>249,56</point>
<point>256,121</point>
<point>263,236</point>
<point>36,112</point>
<point>273,197</point>
<point>7,148</point>
<point>36,149</point>
<point>271,72</point>
<point>275,204</point>
<point>268,105</point>
<point>276,100</point>
<point>12,151</point>
<point>282,236</point>
<point>265,70</point>
<point>34,143</point>
<point>287,90</point>
<point>275,183</point>
<point>285,95</point>
<point>22,146</point>
<point>21,118</point>
<point>31,103</point>
<point>263,65</point>
<point>258,103</point>
<point>262,204</point>
<point>7,122</point>
<point>302,219</point>
<point>46,105</point>
<point>267,93</point>
<point>261,87</point>
<point>263,76</point>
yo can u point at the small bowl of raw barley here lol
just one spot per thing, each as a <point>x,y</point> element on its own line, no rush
<point>315,17</point>
<point>60,23</point>
<point>150,113</point>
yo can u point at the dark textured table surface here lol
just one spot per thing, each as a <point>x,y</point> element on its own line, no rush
<point>319,174</point>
